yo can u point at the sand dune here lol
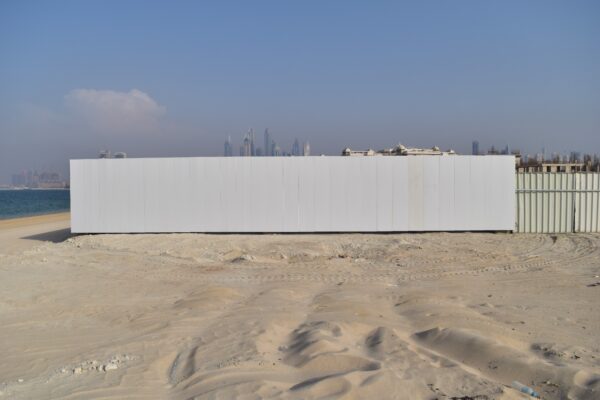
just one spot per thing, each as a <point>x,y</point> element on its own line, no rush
<point>183,316</point>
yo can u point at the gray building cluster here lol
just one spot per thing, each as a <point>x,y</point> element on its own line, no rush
<point>249,147</point>
<point>38,180</point>
<point>573,161</point>
<point>108,154</point>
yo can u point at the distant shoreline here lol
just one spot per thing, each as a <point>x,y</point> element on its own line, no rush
<point>27,220</point>
<point>41,214</point>
<point>24,188</point>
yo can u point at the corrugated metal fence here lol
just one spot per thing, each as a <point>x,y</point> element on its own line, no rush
<point>550,202</point>
<point>293,194</point>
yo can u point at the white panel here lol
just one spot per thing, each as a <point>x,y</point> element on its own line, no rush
<point>415,193</point>
<point>385,193</point>
<point>401,190</point>
<point>503,185</point>
<point>291,219</point>
<point>462,193</point>
<point>306,194</point>
<point>431,194</point>
<point>79,196</point>
<point>294,194</point>
<point>322,194</point>
<point>446,193</point>
<point>354,193</point>
<point>478,211</point>
<point>256,183</point>
<point>368,196</point>
<point>340,182</point>
<point>210,194</point>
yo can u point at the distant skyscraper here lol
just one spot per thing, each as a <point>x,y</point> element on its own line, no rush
<point>475,151</point>
<point>246,147</point>
<point>268,145</point>
<point>296,148</point>
<point>252,147</point>
<point>306,149</point>
<point>493,150</point>
<point>228,149</point>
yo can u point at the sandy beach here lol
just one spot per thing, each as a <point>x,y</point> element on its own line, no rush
<point>348,316</point>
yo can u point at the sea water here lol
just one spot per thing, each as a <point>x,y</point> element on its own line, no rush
<point>24,202</point>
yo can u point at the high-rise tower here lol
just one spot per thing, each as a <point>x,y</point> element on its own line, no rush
<point>252,147</point>
<point>296,148</point>
<point>475,151</point>
<point>306,149</point>
<point>246,147</point>
<point>228,148</point>
<point>268,145</point>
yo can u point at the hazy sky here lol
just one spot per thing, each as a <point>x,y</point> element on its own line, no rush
<point>175,78</point>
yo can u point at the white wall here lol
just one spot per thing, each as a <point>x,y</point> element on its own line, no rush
<point>293,194</point>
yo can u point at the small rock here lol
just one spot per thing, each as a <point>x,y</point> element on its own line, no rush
<point>111,366</point>
<point>20,380</point>
<point>244,257</point>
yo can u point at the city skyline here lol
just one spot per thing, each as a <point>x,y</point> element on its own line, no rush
<point>249,148</point>
<point>31,177</point>
<point>76,78</point>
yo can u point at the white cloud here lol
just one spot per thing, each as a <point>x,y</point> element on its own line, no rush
<point>108,111</point>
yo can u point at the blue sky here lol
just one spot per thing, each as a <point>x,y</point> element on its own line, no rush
<point>176,78</point>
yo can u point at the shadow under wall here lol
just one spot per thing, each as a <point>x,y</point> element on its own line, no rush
<point>56,236</point>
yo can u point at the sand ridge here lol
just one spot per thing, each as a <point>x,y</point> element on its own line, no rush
<point>352,316</point>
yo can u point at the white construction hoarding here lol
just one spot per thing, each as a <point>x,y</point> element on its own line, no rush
<point>293,194</point>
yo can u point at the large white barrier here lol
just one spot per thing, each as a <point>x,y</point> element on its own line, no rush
<point>293,194</point>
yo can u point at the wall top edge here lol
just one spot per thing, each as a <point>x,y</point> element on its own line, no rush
<point>296,157</point>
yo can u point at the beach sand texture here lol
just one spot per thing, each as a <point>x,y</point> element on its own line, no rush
<point>349,316</point>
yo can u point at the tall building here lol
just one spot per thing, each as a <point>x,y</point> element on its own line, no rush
<point>268,143</point>
<point>246,147</point>
<point>296,148</point>
<point>228,148</point>
<point>306,149</point>
<point>475,149</point>
<point>252,147</point>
